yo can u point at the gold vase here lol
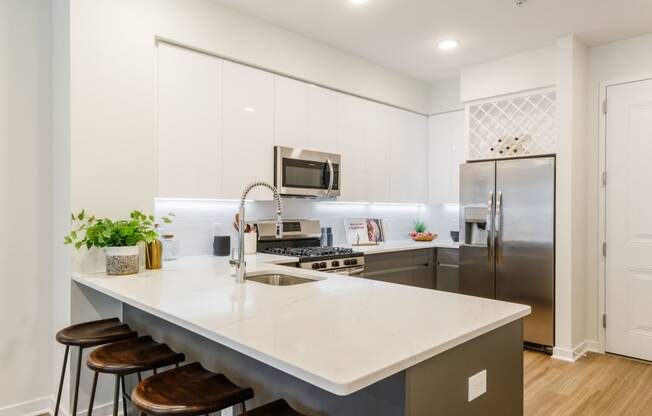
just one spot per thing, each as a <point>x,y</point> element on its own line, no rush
<point>154,255</point>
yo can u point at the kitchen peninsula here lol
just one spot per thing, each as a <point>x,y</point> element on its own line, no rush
<point>334,346</point>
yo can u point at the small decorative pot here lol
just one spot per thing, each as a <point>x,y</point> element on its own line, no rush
<point>122,260</point>
<point>250,243</point>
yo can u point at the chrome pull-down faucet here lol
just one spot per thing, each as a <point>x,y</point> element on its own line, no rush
<point>240,271</point>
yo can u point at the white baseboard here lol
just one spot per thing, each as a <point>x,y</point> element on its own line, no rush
<point>105,409</point>
<point>29,408</point>
<point>572,355</point>
<point>46,405</point>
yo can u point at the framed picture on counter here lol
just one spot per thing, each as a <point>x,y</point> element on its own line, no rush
<point>364,230</point>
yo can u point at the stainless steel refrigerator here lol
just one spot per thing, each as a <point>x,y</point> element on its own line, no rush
<point>507,237</point>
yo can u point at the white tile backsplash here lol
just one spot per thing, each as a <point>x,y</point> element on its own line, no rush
<point>193,224</point>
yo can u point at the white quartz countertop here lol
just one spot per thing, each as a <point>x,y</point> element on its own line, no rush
<point>338,333</point>
<point>404,245</point>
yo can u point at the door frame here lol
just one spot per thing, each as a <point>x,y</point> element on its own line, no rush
<point>602,204</point>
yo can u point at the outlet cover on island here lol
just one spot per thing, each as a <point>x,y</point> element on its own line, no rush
<point>477,385</point>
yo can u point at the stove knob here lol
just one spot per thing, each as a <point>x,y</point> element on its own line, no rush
<point>315,265</point>
<point>322,265</point>
<point>335,263</point>
<point>353,261</point>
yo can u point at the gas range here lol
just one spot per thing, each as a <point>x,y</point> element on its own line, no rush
<point>301,239</point>
<point>320,258</point>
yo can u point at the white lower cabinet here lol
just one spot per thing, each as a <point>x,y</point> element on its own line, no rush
<point>247,130</point>
<point>445,154</point>
<point>189,94</point>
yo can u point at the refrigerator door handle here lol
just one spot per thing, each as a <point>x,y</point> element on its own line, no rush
<point>490,209</point>
<point>498,225</point>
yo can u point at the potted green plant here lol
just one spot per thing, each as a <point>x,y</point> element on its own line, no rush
<point>119,238</point>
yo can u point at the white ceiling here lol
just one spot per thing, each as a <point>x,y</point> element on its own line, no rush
<point>402,34</point>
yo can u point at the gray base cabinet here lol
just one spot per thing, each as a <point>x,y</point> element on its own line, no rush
<point>412,267</point>
<point>448,270</point>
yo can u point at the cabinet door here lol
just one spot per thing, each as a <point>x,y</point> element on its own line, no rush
<point>354,118</point>
<point>378,151</point>
<point>445,153</point>
<point>408,159</point>
<point>188,123</point>
<point>322,119</point>
<point>247,130</point>
<point>291,112</point>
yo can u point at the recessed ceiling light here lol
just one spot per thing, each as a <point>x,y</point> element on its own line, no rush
<point>448,44</point>
<point>358,1</point>
<point>248,109</point>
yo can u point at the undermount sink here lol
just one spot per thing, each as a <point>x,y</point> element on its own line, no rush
<point>278,279</point>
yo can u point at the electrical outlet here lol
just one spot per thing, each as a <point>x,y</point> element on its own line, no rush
<point>477,385</point>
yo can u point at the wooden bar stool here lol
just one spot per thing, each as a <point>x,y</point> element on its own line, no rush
<point>123,358</point>
<point>187,391</point>
<point>276,408</point>
<point>86,335</point>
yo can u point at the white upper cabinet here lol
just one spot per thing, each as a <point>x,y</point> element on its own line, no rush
<point>322,119</point>
<point>378,152</point>
<point>408,158</point>
<point>355,117</point>
<point>247,130</point>
<point>291,112</point>
<point>188,123</point>
<point>445,153</point>
<point>305,115</point>
<point>218,122</point>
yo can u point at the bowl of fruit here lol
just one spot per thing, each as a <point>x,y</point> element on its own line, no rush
<point>420,233</point>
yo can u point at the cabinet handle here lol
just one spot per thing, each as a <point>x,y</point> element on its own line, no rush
<point>490,208</point>
<point>330,177</point>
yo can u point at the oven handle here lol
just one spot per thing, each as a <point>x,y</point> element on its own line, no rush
<point>332,174</point>
<point>353,271</point>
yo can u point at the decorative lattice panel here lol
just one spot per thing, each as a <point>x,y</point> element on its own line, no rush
<point>513,127</point>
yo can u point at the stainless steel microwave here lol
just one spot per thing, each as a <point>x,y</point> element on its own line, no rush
<point>306,173</point>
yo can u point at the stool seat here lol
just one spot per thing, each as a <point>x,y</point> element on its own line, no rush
<point>188,390</point>
<point>132,356</point>
<point>277,408</point>
<point>92,334</point>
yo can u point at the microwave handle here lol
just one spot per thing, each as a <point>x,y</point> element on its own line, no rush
<point>331,177</point>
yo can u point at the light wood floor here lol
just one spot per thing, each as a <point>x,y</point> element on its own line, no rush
<point>598,384</point>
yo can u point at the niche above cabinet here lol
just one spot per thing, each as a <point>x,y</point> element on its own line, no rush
<point>522,125</point>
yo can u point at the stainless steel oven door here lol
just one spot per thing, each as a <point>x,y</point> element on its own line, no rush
<point>349,271</point>
<point>306,173</point>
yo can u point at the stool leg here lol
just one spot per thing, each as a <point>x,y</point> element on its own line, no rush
<point>90,403</point>
<point>124,396</point>
<point>63,376</point>
<point>116,395</point>
<point>74,403</point>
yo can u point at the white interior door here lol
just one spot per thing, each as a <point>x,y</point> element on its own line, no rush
<point>629,220</point>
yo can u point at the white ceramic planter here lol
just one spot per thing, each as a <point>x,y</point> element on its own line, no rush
<point>122,260</point>
<point>250,243</point>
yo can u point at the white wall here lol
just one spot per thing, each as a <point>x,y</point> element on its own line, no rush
<point>445,96</point>
<point>571,295</point>
<point>511,74</point>
<point>615,61</point>
<point>25,221</point>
